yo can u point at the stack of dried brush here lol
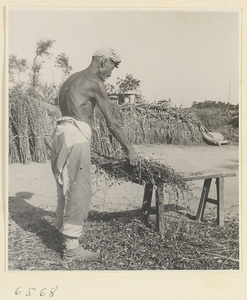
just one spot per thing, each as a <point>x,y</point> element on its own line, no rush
<point>149,124</point>
<point>160,123</point>
<point>30,128</point>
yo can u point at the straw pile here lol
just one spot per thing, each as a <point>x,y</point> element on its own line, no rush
<point>149,124</point>
<point>30,129</point>
<point>159,123</point>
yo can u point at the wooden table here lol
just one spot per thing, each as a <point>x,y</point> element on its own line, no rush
<point>207,177</point>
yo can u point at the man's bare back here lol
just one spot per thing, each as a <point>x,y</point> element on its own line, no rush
<point>76,97</point>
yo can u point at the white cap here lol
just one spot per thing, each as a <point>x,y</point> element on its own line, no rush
<point>108,53</point>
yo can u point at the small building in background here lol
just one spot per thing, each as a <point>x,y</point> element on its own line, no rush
<point>126,98</point>
<point>164,102</point>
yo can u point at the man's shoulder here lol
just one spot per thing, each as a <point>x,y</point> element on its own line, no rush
<point>86,81</point>
<point>95,83</point>
<point>91,79</point>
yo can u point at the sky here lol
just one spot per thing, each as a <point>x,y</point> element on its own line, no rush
<point>183,55</point>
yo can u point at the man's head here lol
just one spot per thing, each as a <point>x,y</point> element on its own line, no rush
<point>107,59</point>
<point>108,53</point>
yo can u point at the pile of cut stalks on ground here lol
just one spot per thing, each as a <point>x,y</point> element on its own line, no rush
<point>124,241</point>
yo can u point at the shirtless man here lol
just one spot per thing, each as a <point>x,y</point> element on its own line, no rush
<point>70,157</point>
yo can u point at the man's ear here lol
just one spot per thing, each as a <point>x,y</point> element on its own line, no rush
<point>102,64</point>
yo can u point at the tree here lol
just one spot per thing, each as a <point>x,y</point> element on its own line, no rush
<point>129,83</point>
<point>42,49</point>
<point>62,62</point>
<point>16,66</point>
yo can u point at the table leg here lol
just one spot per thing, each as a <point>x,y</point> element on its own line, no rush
<point>160,220</point>
<point>220,201</point>
<point>204,196</point>
<point>147,199</point>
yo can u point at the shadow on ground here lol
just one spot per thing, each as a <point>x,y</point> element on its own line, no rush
<point>137,213</point>
<point>35,220</point>
<point>39,221</point>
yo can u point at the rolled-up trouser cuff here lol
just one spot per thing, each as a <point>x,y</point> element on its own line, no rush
<point>71,230</point>
<point>70,242</point>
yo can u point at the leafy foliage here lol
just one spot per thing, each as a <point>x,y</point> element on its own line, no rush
<point>62,61</point>
<point>129,83</point>
<point>219,117</point>
<point>16,66</point>
<point>42,49</point>
<point>213,104</point>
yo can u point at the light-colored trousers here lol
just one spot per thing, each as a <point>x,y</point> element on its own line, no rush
<point>71,166</point>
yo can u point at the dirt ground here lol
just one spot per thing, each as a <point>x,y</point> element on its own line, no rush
<point>33,184</point>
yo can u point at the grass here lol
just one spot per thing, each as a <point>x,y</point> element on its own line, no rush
<point>125,243</point>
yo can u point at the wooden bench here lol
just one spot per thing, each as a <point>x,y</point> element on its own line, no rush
<point>207,177</point>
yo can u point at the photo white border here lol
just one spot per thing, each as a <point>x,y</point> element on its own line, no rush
<point>127,284</point>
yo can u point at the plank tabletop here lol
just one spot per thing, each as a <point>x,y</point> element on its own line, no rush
<point>207,175</point>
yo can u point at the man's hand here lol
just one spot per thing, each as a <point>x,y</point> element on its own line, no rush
<point>133,157</point>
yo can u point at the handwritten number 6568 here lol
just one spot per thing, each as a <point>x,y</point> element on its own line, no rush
<point>42,292</point>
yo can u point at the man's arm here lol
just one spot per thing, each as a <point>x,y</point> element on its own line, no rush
<point>112,124</point>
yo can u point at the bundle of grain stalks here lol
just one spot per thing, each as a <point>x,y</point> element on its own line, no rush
<point>30,128</point>
<point>147,171</point>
